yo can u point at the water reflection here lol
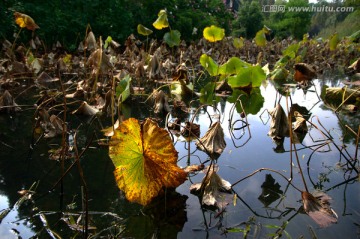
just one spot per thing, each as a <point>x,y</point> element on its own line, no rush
<point>265,198</point>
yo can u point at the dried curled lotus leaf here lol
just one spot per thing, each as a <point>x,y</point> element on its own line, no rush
<point>7,103</point>
<point>213,141</point>
<point>145,160</point>
<point>161,102</point>
<point>86,109</point>
<point>216,191</point>
<point>25,21</point>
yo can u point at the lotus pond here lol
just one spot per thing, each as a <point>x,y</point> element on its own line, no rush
<point>263,202</point>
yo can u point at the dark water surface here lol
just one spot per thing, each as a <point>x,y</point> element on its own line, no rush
<point>181,214</point>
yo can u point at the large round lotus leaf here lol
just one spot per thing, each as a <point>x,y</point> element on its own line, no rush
<point>145,160</point>
<point>172,38</point>
<point>233,66</point>
<point>213,33</point>
<point>247,76</point>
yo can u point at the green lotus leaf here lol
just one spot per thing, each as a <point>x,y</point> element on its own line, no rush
<point>209,64</point>
<point>252,75</point>
<point>233,66</point>
<point>172,38</point>
<point>238,42</point>
<point>260,38</point>
<point>334,41</point>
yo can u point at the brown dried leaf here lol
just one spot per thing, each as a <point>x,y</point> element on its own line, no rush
<point>52,126</point>
<point>86,109</point>
<point>194,168</point>
<point>90,41</point>
<point>213,141</point>
<point>161,102</point>
<point>7,103</point>
<point>216,191</point>
<point>99,61</point>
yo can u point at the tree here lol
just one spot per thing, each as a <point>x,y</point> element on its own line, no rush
<point>291,22</point>
<point>250,19</point>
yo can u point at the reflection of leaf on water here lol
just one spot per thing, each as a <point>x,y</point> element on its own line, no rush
<point>190,130</point>
<point>270,191</point>
<point>279,142</point>
<point>252,102</point>
<point>163,218</point>
<point>145,160</point>
<point>213,141</point>
<point>318,208</point>
<point>300,128</point>
<point>279,126</point>
<point>216,191</point>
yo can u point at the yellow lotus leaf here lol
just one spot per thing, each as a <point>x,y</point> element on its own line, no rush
<point>213,33</point>
<point>25,21</point>
<point>145,160</point>
<point>143,30</point>
<point>162,20</point>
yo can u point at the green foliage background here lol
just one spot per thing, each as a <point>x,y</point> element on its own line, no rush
<point>66,21</point>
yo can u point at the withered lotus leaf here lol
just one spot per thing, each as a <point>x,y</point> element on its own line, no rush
<point>25,21</point>
<point>161,104</point>
<point>7,103</point>
<point>318,208</point>
<point>86,109</point>
<point>216,191</point>
<point>90,41</point>
<point>145,160</point>
<point>213,141</point>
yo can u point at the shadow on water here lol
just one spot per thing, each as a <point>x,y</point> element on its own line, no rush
<point>264,203</point>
